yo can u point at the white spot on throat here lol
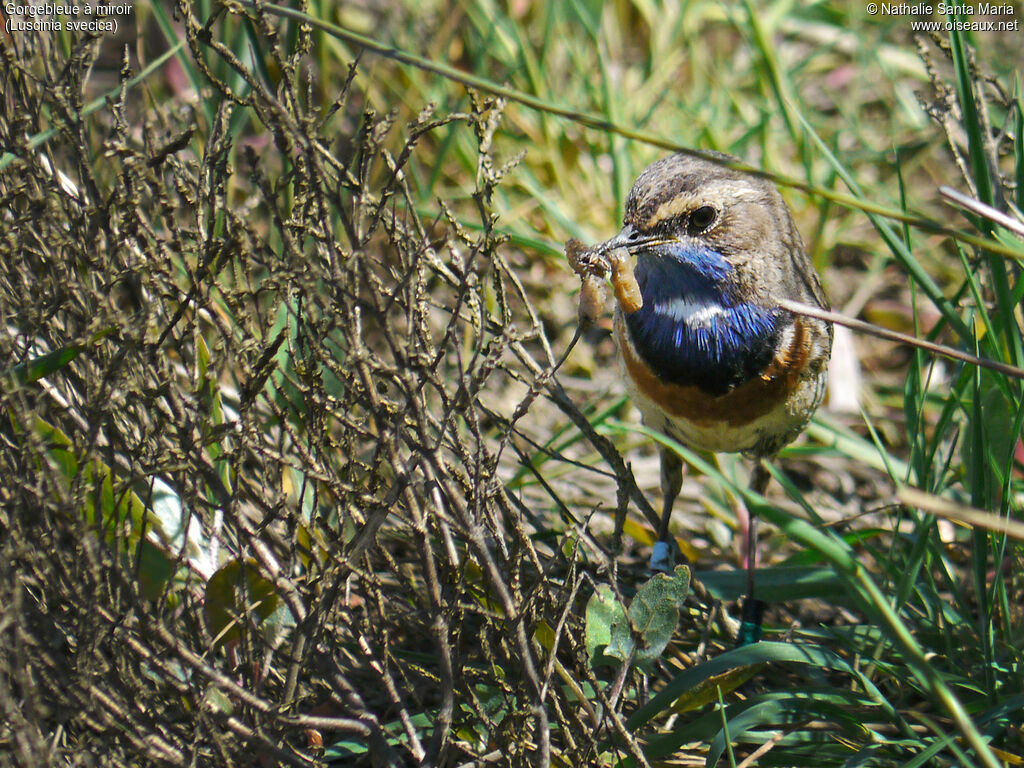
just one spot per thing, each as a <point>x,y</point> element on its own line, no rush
<point>696,314</point>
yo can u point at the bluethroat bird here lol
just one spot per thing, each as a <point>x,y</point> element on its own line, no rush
<point>710,358</point>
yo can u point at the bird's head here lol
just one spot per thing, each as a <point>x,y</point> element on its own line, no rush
<point>716,223</point>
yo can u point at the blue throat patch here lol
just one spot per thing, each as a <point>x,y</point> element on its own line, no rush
<point>719,342</point>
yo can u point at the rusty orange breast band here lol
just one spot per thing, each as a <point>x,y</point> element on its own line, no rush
<point>746,403</point>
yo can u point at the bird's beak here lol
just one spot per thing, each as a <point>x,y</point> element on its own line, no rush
<point>631,240</point>
<point>624,239</point>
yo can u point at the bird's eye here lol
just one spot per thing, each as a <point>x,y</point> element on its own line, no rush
<point>701,219</point>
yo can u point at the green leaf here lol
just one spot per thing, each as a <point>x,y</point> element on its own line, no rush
<point>119,516</point>
<point>777,584</point>
<point>238,593</point>
<point>652,618</point>
<point>155,568</point>
<point>102,507</point>
<point>708,690</point>
<point>589,13</point>
<point>758,653</point>
<point>41,367</point>
<point>654,612</point>
<point>607,630</point>
<point>991,439</point>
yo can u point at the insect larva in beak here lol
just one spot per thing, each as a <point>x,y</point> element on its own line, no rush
<point>627,291</point>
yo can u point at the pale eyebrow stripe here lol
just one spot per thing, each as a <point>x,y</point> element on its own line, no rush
<point>734,188</point>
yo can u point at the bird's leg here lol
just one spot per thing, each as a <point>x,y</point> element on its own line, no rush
<point>753,609</point>
<point>671,483</point>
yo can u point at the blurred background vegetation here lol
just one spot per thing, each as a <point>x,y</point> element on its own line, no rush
<point>288,477</point>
